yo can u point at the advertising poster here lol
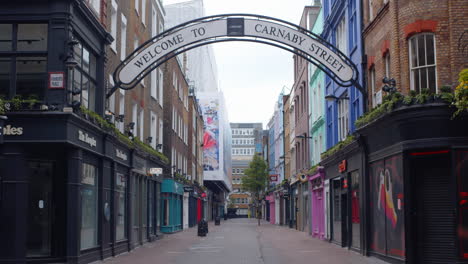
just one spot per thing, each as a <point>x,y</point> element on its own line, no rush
<point>210,109</point>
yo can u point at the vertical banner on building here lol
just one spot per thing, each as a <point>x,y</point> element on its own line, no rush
<point>210,109</point>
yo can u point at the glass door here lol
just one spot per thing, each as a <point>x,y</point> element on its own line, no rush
<point>40,209</point>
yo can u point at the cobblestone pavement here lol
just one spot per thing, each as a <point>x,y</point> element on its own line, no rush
<point>241,241</point>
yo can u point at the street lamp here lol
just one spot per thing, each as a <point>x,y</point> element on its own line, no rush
<point>332,98</point>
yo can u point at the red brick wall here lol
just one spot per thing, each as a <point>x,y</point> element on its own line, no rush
<point>399,20</point>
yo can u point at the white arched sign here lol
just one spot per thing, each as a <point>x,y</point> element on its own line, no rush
<point>235,27</point>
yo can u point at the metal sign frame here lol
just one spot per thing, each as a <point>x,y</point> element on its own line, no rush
<point>235,27</point>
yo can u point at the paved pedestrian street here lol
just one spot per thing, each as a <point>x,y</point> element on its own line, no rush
<point>241,241</point>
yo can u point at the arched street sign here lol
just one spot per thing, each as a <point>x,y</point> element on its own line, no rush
<point>235,27</point>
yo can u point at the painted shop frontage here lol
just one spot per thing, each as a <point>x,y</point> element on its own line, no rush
<point>71,192</point>
<point>411,165</point>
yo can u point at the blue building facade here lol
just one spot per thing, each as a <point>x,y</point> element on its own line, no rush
<point>342,28</point>
<point>317,103</point>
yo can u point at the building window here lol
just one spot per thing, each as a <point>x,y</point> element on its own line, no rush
<point>422,62</point>
<point>96,5</point>
<point>153,129</point>
<point>89,208</point>
<point>387,64</point>
<point>113,23</point>
<point>371,10</point>
<point>137,6</point>
<point>123,38</point>
<point>121,109</point>
<point>143,12</point>
<point>343,109</point>
<point>84,77</point>
<point>341,36</point>
<point>372,85</point>
<point>160,138</point>
<point>24,55</point>
<point>121,219</point>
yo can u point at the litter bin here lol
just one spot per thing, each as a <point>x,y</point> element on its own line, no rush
<point>202,228</point>
<point>217,220</point>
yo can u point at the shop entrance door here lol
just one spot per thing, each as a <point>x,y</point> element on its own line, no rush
<point>40,209</point>
<point>433,211</point>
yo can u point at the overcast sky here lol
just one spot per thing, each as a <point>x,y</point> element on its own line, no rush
<point>253,75</point>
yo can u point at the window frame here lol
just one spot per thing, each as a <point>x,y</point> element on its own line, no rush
<point>13,54</point>
<point>426,66</point>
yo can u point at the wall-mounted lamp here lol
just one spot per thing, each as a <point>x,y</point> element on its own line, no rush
<point>120,118</point>
<point>179,170</point>
<point>389,86</point>
<point>303,136</point>
<point>131,125</point>
<point>332,98</point>
<point>149,139</point>
<point>159,146</point>
<point>173,167</point>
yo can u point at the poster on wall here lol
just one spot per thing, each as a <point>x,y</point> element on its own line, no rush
<point>387,207</point>
<point>210,109</point>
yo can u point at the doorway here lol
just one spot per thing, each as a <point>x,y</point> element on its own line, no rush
<point>40,208</point>
<point>432,211</point>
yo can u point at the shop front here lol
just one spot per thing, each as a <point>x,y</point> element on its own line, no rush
<point>64,191</point>
<point>418,185</point>
<point>171,204</point>
<point>317,214</point>
<point>344,172</point>
<point>272,207</point>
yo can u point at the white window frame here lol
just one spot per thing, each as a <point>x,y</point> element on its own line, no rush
<point>112,97</point>
<point>343,117</point>
<point>113,25</point>
<point>123,38</point>
<point>121,109</point>
<point>160,87</point>
<point>425,67</point>
<point>372,85</point>
<point>141,124</point>
<point>371,10</point>
<point>143,12</point>
<point>341,36</point>
<point>135,118</point>
<point>153,129</point>
<point>137,6</point>
<point>153,85</point>
<point>160,134</point>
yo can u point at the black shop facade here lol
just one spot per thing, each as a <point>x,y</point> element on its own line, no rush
<point>71,192</point>
<point>399,190</point>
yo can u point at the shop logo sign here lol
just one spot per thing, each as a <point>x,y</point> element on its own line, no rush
<point>9,130</point>
<point>84,137</point>
<point>120,154</point>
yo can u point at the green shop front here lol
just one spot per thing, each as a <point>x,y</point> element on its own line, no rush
<point>171,203</point>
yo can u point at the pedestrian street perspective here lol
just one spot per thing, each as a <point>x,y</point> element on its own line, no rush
<point>129,135</point>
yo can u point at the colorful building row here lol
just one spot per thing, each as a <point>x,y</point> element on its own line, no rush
<point>381,172</point>
<point>84,174</point>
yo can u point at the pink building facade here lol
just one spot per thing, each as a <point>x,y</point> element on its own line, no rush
<point>317,207</point>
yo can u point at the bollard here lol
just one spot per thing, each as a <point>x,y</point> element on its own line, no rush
<point>205,223</point>
<point>217,220</point>
<point>225,216</point>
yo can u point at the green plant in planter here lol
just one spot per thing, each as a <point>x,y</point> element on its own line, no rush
<point>446,94</point>
<point>423,96</point>
<point>2,106</point>
<point>461,93</point>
